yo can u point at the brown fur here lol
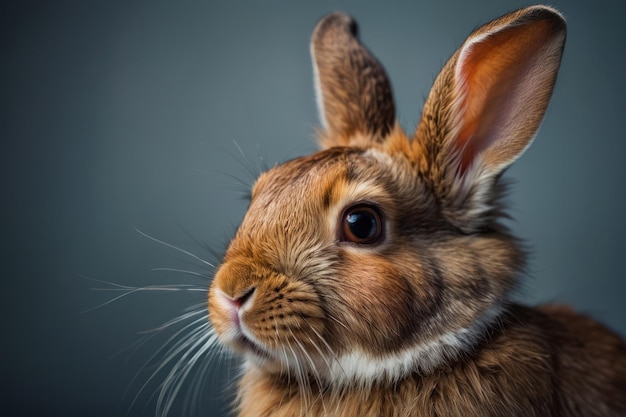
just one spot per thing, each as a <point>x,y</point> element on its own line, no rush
<point>418,323</point>
<point>350,74</point>
<point>546,362</point>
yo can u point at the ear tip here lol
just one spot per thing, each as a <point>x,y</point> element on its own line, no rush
<point>543,12</point>
<point>333,23</point>
<point>546,10</point>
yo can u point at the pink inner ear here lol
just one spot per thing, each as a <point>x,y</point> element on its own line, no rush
<point>497,77</point>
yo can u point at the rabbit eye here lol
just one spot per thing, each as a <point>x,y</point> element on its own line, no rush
<point>361,224</point>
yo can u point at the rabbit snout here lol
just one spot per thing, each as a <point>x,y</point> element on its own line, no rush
<point>259,307</point>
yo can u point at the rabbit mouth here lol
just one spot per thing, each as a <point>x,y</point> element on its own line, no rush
<point>251,347</point>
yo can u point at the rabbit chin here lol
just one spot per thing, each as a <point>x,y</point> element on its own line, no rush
<point>360,368</point>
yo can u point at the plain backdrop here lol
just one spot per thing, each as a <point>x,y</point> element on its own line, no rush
<point>118,117</point>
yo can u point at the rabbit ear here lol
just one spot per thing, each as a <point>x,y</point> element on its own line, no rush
<point>353,92</point>
<point>486,105</point>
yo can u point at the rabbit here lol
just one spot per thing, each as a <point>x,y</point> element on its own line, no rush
<point>375,277</point>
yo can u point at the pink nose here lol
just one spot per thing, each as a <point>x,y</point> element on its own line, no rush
<point>234,306</point>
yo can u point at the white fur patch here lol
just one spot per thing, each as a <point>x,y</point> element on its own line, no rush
<point>382,157</point>
<point>360,368</point>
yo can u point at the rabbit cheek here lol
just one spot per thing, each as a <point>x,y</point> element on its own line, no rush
<point>378,303</point>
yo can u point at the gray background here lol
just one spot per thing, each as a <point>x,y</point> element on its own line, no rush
<point>116,115</point>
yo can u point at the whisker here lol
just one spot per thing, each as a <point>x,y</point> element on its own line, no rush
<point>129,290</point>
<point>174,321</point>
<point>299,377</point>
<point>240,185</point>
<point>101,281</point>
<point>322,387</point>
<point>199,382</point>
<point>181,250</point>
<point>216,256</point>
<point>175,337</point>
<point>250,167</point>
<point>181,345</point>
<point>161,287</point>
<point>314,372</point>
<point>179,373</point>
<point>126,293</point>
<point>190,345</point>
<point>302,374</point>
<point>308,358</point>
<point>321,338</point>
<point>182,271</point>
<point>262,160</point>
<point>320,352</point>
<point>336,320</point>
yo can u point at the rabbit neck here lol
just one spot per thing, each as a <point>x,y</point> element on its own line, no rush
<point>358,382</point>
<point>424,358</point>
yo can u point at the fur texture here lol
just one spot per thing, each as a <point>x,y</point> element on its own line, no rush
<point>535,362</point>
<point>417,322</point>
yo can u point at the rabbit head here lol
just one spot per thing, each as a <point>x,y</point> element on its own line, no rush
<point>382,254</point>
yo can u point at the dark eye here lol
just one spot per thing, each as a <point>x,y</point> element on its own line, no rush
<point>361,224</point>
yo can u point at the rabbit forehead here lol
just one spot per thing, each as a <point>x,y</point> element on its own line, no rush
<point>319,182</point>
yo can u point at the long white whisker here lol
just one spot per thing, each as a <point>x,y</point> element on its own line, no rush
<point>182,271</point>
<point>330,350</point>
<point>171,353</point>
<point>264,165</point>
<point>114,299</point>
<point>199,381</point>
<point>169,245</point>
<point>128,290</point>
<point>190,343</point>
<point>176,347</point>
<point>158,287</point>
<point>308,358</point>
<point>101,281</point>
<point>149,334</point>
<point>245,185</point>
<point>187,345</point>
<point>320,352</point>
<point>186,316</point>
<point>302,379</point>
<point>322,387</point>
<point>250,167</point>
<point>338,321</point>
<point>314,372</point>
<point>178,375</point>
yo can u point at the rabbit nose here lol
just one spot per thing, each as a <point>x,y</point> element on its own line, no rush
<point>235,305</point>
<point>244,297</point>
